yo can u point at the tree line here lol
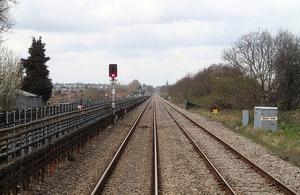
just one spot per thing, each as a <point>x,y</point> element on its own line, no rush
<point>257,70</point>
<point>92,92</point>
<point>29,74</point>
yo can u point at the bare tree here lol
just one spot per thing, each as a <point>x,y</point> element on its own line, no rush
<point>182,88</point>
<point>10,78</point>
<point>6,19</point>
<point>121,88</point>
<point>150,88</point>
<point>253,55</point>
<point>205,79</point>
<point>134,85</point>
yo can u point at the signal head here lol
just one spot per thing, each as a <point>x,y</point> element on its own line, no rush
<point>113,70</point>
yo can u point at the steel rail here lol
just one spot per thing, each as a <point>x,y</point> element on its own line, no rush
<point>216,172</point>
<point>279,184</point>
<point>155,147</point>
<point>114,161</point>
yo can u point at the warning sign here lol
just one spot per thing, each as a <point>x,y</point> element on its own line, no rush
<point>268,118</point>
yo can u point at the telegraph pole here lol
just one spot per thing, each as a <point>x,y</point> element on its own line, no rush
<point>113,105</point>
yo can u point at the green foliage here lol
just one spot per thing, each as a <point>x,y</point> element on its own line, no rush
<point>224,88</point>
<point>93,93</point>
<point>287,63</point>
<point>289,117</point>
<point>37,79</point>
<point>291,131</point>
<point>177,100</point>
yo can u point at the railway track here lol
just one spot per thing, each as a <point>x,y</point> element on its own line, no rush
<point>181,169</point>
<point>174,169</point>
<point>234,172</point>
<point>138,146</point>
<point>156,158</point>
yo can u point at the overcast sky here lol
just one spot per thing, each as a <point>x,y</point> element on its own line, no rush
<point>153,41</point>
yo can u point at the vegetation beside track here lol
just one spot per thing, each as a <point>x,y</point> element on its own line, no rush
<point>260,69</point>
<point>285,142</point>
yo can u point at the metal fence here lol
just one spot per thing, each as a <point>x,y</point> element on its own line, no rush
<point>26,145</point>
<point>23,116</point>
<point>22,139</point>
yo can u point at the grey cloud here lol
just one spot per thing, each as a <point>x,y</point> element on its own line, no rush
<point>187,34</point>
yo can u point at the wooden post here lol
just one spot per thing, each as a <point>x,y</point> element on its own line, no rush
<point>27,184</point>
<point>21,186</point>
<point>64,157</point>
<point>77,149</point>
<point>37,175</point>
<point>56,164</point>
<point>15,189</point>
<point>33,181</point>
<point>43,175</point>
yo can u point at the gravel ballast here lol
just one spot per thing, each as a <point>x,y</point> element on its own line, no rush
<point>182,171</point>
<point>286,172</point>
<point>80,176</point>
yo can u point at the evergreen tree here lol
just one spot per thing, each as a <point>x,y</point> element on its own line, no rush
<point>37,79</point>
<point>287,64</point>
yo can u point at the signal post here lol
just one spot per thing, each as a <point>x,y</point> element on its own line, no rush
<point>113,72</point>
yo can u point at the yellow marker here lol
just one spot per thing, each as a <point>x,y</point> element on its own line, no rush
<point>215,111</point>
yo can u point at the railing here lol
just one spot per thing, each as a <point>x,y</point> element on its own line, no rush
<point>25,149</point>
<point>23,116</point>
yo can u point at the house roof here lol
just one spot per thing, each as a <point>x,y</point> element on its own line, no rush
<point>27,94</point>
<point>118,95</point>
<point>121,94</point>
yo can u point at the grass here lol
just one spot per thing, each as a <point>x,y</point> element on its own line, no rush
<point>285,142</point>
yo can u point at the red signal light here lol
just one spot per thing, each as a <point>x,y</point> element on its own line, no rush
<point>113,70</point>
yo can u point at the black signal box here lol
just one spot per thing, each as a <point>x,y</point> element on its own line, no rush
<point>113,70</point>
